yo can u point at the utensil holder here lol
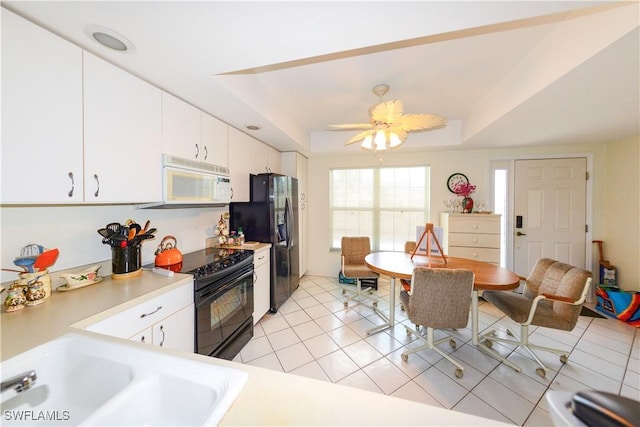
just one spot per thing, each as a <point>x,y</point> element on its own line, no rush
<point>125,260</point>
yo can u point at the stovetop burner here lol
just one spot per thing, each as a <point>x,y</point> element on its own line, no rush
<point>207,263</point>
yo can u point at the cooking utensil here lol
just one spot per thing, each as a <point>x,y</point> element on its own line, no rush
<point>146,226</point>
<point>105,232</point>
<point>114,226</point>
<point>26,263</point>
<point>149,231</point>
<point>46,259</point>
<point>132,234</point>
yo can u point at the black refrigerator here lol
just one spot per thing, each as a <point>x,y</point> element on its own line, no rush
<point>272,217</point>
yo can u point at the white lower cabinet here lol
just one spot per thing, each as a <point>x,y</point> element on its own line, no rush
<point>166,320</point>
<point>261,283</point>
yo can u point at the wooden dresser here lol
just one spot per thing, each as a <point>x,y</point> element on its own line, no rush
<point>472,236</point>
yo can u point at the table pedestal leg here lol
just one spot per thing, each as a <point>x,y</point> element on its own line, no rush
<point>391,320</point>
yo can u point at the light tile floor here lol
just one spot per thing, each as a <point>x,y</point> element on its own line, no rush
<point>312,334</point>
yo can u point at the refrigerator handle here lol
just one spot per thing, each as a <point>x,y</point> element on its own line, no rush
<point>288,219</point>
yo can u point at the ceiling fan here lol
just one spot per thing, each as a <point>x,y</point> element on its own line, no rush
<point>388,127</point>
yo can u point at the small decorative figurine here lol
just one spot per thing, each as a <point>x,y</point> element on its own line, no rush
<point>15,298</point>
<point>221,230</point>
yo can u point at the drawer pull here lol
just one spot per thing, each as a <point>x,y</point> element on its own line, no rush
<point>475,240</point>
<point>475,225</point>
<point>261,258</point>
<point>149,314</point>
<point>142,339</point>
<point>475,255</point>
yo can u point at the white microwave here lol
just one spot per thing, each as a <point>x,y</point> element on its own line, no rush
<point>189,183</point>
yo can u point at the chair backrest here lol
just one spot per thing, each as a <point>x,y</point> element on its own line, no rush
<point>553,277</point>
<point>355,249</point>
<point>440,297</point>
<point>409,246</point>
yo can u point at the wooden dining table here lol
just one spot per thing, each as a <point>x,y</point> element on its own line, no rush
<point>400,265</point>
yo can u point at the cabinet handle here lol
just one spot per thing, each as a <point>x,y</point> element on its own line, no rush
<point>474,240</point>
<point>153,312</point>
<point>162,330</point>
<point>255,277</point>
<point>73,184</point>
<point>231,193</point>
<point>475,255</point>
<point>475,225</point>
<point>206,152</point>
<point>261,258</point>
<point>142,339</point>
<point>519,233</point>
<point>95,176</point>
<point>197,151</point>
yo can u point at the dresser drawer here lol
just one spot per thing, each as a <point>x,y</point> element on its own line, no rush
<point>478,254</point>
<point>486,224</point>
<point>474,240</point>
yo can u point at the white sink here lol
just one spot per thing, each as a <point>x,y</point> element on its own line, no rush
<point>84,380</point>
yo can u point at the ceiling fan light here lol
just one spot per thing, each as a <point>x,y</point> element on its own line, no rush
<point>380,140</point>
<point>394,140</point>
<point>367,143</point>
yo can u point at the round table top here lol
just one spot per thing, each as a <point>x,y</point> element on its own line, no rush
<point>400,265</point>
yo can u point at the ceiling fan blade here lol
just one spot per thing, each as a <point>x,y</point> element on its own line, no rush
<point>359,137</point>
<point>386,112</point>
<point>419,122</point>
<point>351,126</point>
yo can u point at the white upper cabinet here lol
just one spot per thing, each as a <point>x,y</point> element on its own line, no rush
<point>180,128</point>
<point>214,137</point>
<point>247,156</point>
<point>192,134</point>
<point>274,163</point>
<point>122,135</point>
<point>41,115</point>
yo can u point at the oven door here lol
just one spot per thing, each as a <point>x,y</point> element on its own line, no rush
<point>222,308</point>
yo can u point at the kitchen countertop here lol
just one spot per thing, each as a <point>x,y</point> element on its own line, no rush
<point>269,398</point>
<point>31,326</point>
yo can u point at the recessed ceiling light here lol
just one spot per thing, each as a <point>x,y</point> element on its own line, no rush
<point>253,127</point>
<point>109,38</point>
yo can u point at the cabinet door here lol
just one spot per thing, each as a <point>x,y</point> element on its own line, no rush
<point>145,336</point>
<point>180,128</point>
<point>261,285</point>
<point>214,140</point>
<point>41,115</point>
<point>247,156</point>
<point>176,331</point>
<point>122,127</point>
<point>274,162</point>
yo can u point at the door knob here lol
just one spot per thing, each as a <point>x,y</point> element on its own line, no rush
<point>520,234</point>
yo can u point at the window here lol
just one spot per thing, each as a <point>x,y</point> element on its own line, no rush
<point>385,204</point>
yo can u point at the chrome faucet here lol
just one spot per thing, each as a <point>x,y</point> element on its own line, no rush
<point>21,382</point>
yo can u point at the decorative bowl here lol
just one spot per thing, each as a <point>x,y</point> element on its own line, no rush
<point>83,278</point>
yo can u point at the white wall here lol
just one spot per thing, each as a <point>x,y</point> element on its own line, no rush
<point>621,205</point>
<point>473,163</point>
<point>73,230</point>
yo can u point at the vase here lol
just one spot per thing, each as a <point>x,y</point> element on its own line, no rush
<point>467,205</point>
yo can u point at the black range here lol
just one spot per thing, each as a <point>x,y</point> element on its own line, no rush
<point>223,296</point>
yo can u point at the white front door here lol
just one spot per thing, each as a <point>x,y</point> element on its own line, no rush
<point>550,212</point>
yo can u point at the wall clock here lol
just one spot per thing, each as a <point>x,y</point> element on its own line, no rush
<point>455,179</point>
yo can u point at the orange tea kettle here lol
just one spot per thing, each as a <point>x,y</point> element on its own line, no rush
<point>167,255</point>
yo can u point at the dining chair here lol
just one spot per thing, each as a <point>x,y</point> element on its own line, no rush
<point>440,299</point>
<point>354,250</point>
<point>553,296</point>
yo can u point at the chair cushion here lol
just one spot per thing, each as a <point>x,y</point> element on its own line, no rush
<point>359,271</point>
<point>517,307</point>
